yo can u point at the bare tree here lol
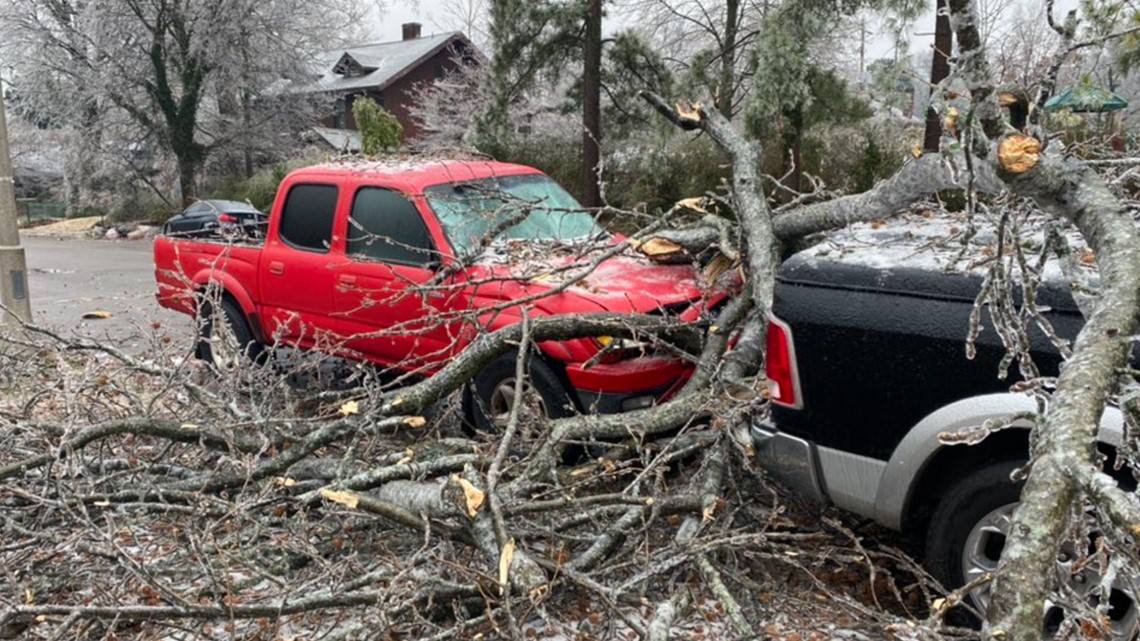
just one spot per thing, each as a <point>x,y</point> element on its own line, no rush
<point>164,66</point>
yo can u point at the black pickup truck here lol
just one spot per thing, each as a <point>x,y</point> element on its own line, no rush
<point>867,362</point>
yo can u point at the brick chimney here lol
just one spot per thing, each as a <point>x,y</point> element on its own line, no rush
<point>411,30</point>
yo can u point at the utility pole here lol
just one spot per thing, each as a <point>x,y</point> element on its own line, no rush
<point>939,70</point>
<point>13,268</point>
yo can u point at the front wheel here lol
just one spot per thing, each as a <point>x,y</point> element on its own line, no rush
<point>491,396</point>
<point>967,536</point>
<point>225,340</point>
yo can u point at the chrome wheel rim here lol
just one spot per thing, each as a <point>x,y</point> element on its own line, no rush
<point>503,399</point>
<point>225,348</point>
<point>982,552</point>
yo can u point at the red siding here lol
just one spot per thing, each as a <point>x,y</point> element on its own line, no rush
<point>398,96</point>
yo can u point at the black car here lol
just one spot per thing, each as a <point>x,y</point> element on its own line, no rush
<point>206,218</point>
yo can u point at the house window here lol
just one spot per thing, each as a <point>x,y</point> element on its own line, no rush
<point>386,226</point>
<point>339,111</point>
<point>307,219</point>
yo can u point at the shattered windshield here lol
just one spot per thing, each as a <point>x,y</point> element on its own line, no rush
<point>531,207</point>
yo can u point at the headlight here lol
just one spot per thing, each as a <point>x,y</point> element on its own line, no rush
<point>609,342</point>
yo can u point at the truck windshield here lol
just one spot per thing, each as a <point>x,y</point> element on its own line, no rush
<point>531,207</point>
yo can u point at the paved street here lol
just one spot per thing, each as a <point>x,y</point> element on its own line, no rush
<point>70,277</point>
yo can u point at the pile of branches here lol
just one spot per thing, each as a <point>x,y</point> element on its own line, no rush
<point>145,496</point>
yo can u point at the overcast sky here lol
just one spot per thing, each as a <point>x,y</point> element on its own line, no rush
<point>430,14</point>
<point>397,12</point>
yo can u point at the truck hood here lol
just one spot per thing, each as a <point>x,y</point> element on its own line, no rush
<point>622,284</point>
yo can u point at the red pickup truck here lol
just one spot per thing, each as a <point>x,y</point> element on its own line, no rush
<point>403,264</point>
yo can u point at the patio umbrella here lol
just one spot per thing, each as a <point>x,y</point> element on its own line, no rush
<point>1086,98</point>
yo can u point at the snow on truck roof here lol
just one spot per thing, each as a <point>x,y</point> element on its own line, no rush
<point>929,255</point>
<point>420,171</point>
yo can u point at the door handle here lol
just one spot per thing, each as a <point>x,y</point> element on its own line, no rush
<point>347,279</point>
<point>276,267</point>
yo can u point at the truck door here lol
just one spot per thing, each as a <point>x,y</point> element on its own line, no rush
<point>296,271</point>
<point>388,309</point>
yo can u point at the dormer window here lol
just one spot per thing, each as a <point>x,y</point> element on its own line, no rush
<point>349,66</point>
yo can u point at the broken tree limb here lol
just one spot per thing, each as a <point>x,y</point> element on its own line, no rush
<point>763,251</point>
<point>916,180</point>
<point>1066,437</point>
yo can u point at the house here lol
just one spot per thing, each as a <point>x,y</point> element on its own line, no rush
<point>387,72</point>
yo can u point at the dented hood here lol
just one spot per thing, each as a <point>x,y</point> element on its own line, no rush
<point>622,284</point>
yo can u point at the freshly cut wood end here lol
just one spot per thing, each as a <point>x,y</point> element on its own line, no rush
<point>506,555</point>
<point>656,247</point>
<point>1019,153</point>
<point>344,498</point>
<point>950,122</point>
<point>696,203</point>
<point>690,111</point>
<point>473,497</point>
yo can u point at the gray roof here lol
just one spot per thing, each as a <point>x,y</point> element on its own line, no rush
<point>382,63</point>
<point>343,140</point>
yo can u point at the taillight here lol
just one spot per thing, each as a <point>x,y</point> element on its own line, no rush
<point>780,365</point>
<point>226,218</point>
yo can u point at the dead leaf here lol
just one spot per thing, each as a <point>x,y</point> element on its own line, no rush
<point>505,557</point>
<point>344,498</point>
<point>284,481</point>
<point>101,503</point>
<point>189,426</point>
<point>409,454</point>
<point>349,408</point>
<point>97,314</point>
<point>938,604</point>
<point>916,151</point>
<point>473,497</point>
<point>1006,99</point>
<point>415,421</point>
<point>1018,153</point>
<point>1088,257</point>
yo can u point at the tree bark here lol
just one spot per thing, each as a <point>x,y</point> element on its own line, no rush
<point>939,70</point>
<point>592,105</point>
<point>727,85</point>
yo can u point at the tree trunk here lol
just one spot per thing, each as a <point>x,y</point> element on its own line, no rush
<point>939,70</point>
<point>727,85</point>
<point>187,169</point>
<point>591,105</point>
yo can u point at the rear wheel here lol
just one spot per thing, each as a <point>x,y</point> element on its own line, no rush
<point>225,340</point>
<point>967,536</point>
<point>491,396</point>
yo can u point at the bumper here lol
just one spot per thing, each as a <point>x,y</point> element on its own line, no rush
<point>633,375</point>
<point>635,383</point>
<point>607,403</point>
<point>789,460</point>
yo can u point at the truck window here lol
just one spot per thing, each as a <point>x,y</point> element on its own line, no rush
<point>307,218</point>
<point>386,226</point>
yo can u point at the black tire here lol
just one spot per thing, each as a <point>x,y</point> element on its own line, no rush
<point>479,400</point>
<point>963,506</point>
<point>214,345</point>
